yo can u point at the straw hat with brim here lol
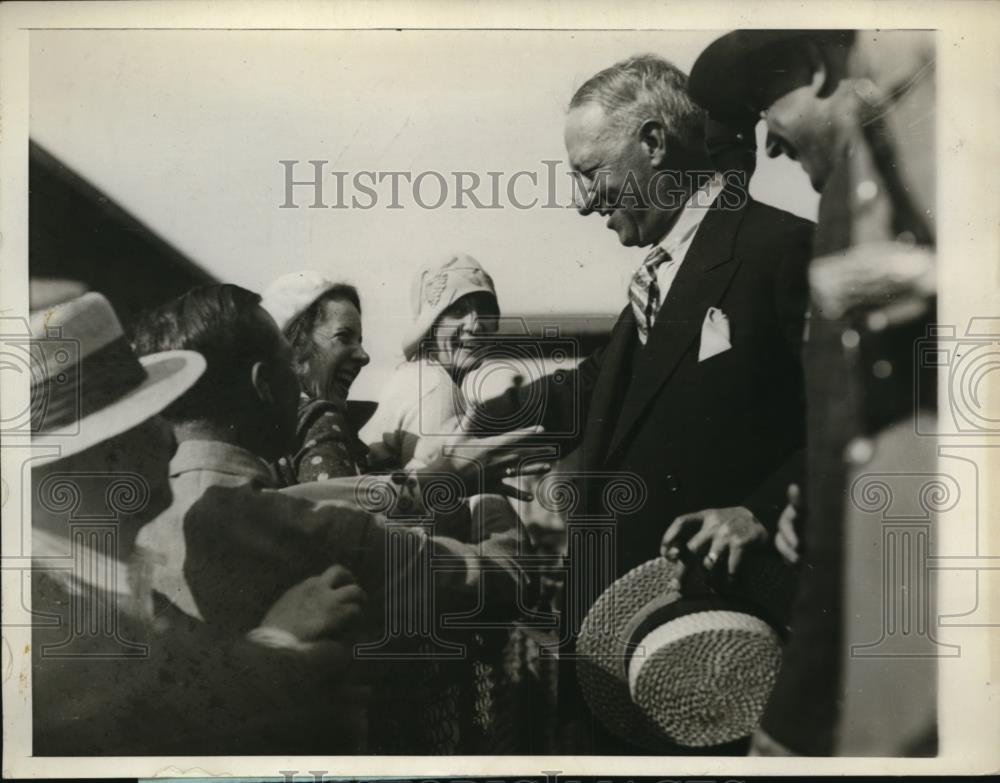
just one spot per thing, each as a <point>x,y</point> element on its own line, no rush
<point>87,383</point>
<point>668,673</point>
<point>437,287</point>
<point>722,78</point>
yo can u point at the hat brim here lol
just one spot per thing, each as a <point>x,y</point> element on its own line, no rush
<point>722,80</point>
<point>169,375</point>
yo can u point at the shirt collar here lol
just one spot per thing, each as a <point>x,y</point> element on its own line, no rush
<point>305,400</point>
<point>219,457</point>
<point>692,213</point>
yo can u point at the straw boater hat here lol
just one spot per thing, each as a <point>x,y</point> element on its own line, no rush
<point>291,295</point>
<point>436,287</point>
<point>87,385</point>
<point>665,671</point>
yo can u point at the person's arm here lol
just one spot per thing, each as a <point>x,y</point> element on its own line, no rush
<point>268,691</point>
<point>401,566</point>
<point>564,401</point>
<point>790,288</point>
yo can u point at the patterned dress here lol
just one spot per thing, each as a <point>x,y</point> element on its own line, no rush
<point>328,446</point>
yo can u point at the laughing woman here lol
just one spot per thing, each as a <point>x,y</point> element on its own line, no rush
<point>322,321</point>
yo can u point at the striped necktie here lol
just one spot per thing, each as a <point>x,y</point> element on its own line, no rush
<point>644,293</point>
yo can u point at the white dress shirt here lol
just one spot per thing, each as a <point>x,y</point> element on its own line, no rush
<point>678,240</point>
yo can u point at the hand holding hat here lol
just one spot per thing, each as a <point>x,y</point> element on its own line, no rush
<point>725,532</point>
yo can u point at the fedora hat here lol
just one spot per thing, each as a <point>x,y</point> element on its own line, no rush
<point>439,285</point>
<point>667,664</point>
<point>87,384</point>
<point>722,79</point>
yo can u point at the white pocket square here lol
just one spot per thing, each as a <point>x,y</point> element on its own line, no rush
<point>714,334</point>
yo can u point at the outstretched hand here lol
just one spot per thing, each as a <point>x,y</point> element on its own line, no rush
<point>482,464</point>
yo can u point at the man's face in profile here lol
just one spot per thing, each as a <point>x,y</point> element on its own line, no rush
<point>615,176</point>
<point>128,475</point>
<point>798,116</point>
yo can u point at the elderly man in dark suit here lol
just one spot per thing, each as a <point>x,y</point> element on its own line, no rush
<point>699,391</point>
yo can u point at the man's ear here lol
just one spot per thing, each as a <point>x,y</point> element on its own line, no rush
<point>818,68</point>
<point>260,379</point>
<point>653,138</point>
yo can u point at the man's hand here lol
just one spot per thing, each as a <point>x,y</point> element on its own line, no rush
<point>721,529</point>
<point>319,607</point>
<point>482,463</point>
<point>786,540</point>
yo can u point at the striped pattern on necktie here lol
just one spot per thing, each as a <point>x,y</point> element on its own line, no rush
<point>644,293</point>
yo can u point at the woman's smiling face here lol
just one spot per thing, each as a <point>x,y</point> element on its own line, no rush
<point>459,327</point>
<point>337,355</point>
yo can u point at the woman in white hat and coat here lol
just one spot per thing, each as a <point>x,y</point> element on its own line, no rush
<point>454,305</point>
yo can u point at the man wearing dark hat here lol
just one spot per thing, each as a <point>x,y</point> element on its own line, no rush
<point>117,668</point>
<point>856,109</point>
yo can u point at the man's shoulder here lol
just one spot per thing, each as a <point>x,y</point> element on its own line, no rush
<point>766,218</point>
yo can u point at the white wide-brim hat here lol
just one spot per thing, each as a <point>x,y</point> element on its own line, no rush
<point>87,383</point>
<point>439,285</point>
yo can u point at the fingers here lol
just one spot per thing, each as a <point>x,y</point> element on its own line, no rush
<point>794,496</point>
<point>347,615</point>
<point>505,439</point>
<point>735,556</point>
<point>786,550</point>
<point>702,537</point>
<point>527,469</point>
<point>786,526</point>
<point>511,491</point>
<point>711,559</point>
<point>786,541</point>
<point>349,594</point>
<point>668,548</point>
<point>335,576</point>
<point>517,470</point>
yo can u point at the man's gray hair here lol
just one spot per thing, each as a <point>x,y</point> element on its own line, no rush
<point>646,87</point>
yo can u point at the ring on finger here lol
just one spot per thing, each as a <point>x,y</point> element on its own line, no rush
<point>712,557</point>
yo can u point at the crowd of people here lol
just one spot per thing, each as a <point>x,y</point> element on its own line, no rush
<point>294,574</point>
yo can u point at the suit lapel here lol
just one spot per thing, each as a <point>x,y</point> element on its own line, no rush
<point>701,283</point>
<point>609,388</point>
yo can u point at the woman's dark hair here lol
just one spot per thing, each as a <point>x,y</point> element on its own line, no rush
<point>223,323</point>
<point>299,331</point>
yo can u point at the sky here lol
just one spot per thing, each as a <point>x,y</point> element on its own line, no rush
<point>186,129</point>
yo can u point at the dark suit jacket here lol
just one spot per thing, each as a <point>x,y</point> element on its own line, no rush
<point>725,431</point>
<point>710,433</point>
